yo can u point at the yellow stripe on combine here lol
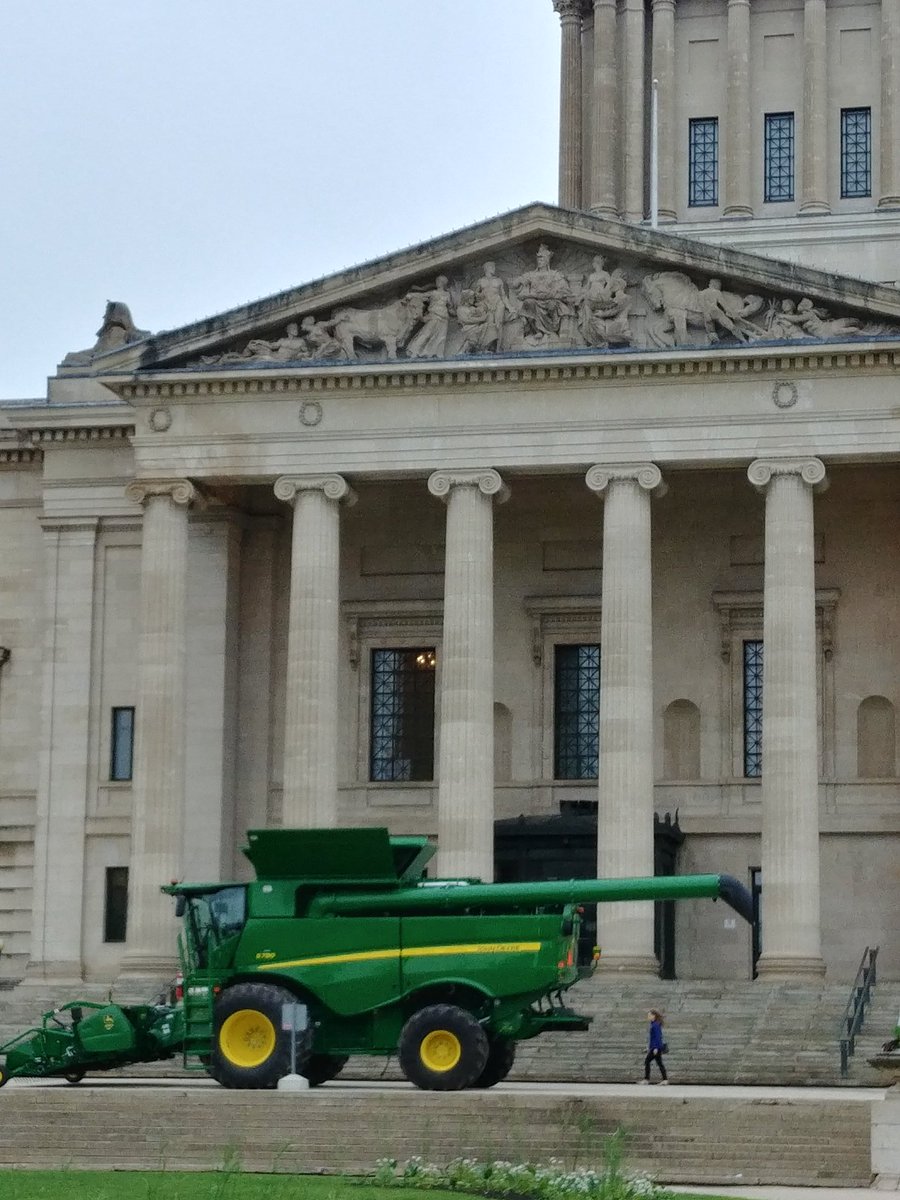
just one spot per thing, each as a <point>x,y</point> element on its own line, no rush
<point>407,952</point>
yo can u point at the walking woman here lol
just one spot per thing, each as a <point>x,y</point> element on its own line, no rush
<point>656,1047</point>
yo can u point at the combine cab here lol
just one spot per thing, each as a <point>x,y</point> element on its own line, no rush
<point>342,927</point>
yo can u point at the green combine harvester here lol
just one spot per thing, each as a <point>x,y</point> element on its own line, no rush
<point>342,937</point>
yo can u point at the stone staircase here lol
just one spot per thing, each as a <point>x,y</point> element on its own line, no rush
<point>718,1033</point>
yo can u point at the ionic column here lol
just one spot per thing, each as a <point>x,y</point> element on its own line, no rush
<point>663,71</point>
<point>814,183</point>
<point>790,803</point>
<point>466,753</point>
<point>631,14</point>
<point>890,104</point>
<point>158,789</point>
<point>625,785</point>
<point>737,120</point>
<point>64,779</point>
<point>604,145</point>
<point>570,101</point>
<point>311,690</point>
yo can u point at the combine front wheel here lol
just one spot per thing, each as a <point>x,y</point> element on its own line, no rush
<point>442,1048</point>
<point>75,1076</point>
<point>250,1049</point>
<point>4,1078</point>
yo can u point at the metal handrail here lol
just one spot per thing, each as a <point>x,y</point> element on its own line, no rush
<point>855,1012</point>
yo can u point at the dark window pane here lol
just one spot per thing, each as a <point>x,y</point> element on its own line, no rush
<point>402,715</point>
<point>856,152</point>
<point>779,151</point>
<point>576,712</point>
<point>122,744</point>
<point>703,162</point>
<point>115,910</point>
<point>753,700</point>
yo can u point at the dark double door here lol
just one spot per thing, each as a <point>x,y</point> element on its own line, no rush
<point>565,847</point>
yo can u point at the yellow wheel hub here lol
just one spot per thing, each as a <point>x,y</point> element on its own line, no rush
<point>440,1050</point>
<point>247,1038</point>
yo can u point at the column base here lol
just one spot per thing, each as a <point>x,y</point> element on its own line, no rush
<point>635,966</point>
<point>56,973</point>
<point>788,966</point>
<point>738,212</point>
<point>605,211</point>
<point>888,202</point>
<point>156,968</point>
<point>815,208</point>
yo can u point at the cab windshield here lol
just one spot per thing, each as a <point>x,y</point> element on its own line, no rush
<point>212,918</point>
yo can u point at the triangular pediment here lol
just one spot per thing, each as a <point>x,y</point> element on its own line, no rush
<point>536,281</point>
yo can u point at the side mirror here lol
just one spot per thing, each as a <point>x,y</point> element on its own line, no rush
<point>180,905</point>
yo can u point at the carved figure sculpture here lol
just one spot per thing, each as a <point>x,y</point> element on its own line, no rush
<point>319,342</point>
<point>285,349</point>
<point>477,327</point>
<point>491,291</point>
<point>117,330</point>
<point>783,321</point>
<point>604,317</point>
<point>431,340</point>
<point>818,324</point>
<point>541,298</point>
<point>387,327</point>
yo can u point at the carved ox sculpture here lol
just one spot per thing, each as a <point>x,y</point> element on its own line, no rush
<point>680,304</point>
<point>389,326</point>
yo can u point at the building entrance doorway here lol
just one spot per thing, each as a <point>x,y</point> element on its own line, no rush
<point>565,847</point>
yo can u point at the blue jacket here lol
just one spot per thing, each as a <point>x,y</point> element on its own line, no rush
<point>656,1036</point>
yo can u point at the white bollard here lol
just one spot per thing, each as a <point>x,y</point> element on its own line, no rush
<point>293,1083</point>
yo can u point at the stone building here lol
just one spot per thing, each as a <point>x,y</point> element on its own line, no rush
<point>418,543</point>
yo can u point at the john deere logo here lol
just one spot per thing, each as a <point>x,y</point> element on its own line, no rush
<point>108,1022</point>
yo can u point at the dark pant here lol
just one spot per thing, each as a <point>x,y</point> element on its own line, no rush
<point>654,1056</point>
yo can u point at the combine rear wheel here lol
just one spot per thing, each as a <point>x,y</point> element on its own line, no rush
<point>501,1057</point>
<point>442,1048</point>
<point>322,1067</point>
<point>250,1049</point>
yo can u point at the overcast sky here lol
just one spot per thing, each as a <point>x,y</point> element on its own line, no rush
<point>186,156</point>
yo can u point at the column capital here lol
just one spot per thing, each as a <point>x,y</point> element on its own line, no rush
<point>762,471</point>
<point>488,482</point>
<point>180,491</point>
<point>646,475</point>
<point>569,9</point>
<point>335,487</point>
<point>659,5</point>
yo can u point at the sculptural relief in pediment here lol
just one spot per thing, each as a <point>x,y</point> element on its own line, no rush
<point>547,299</point>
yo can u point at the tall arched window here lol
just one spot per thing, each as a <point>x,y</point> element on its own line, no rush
<point>876,739</point>
<point>681,741</point>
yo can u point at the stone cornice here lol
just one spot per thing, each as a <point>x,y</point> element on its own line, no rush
<point>20,455</point>
<point>195,385</point>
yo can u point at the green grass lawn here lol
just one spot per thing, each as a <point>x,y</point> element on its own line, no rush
<point>206,1185</point>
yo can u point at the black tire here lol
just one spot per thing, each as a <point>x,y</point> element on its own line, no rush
<point>250,1049</point>
<point>4,1078</point>
<point>501,1056</point>
<point>75,1076</point>
<point>442,1048</point>
<point>320,1068</point>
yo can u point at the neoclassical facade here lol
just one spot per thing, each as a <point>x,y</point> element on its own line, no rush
<point>555,514</point>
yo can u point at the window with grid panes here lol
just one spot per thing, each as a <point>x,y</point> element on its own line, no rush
<point>401,742</point>
<point>576,711</point>
<point>856,152</point>
<point>753,701</point>
<point>779,157</point>
<point>703,162</point>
